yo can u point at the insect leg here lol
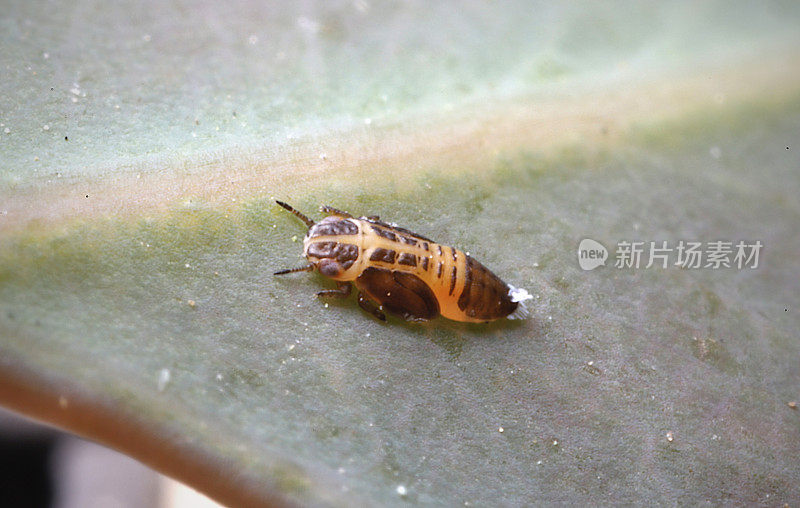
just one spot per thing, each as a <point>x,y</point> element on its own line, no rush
<point>343,291</point>
<point>307,268</point>
<point>368,305</point>
<point>335,211</point>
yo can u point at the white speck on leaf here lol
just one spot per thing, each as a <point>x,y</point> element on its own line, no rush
<point>163,379</point>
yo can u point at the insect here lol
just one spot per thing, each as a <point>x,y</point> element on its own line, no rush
<point>403,272</point>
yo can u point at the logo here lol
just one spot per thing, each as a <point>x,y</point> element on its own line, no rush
<point>591,254</point>
<point>717,254</point>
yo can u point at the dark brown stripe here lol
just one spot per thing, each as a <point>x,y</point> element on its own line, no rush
<point>407,259</point>
<point>455,255</point>
<point>425,263</point>
<point>385,255</point>
<point>343,253</point>
<point>408,240</point>
<point>439,270</point>
<point>322,249</point>
<point>395,228</point>
<point>425,246</point>
<point>440,249</point>
<point>452,281</point>
<point>385,233</point>
<point>334,227</point>
<point>463,300</point>
<point>347,254</point>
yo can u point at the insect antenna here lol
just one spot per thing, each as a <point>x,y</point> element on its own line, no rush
<point>297,214</point>
<point>307,268</point>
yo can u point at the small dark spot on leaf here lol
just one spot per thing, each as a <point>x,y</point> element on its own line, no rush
<point>561,283</point>
<point>87,195</point>
<point>234,113</point>
<point>66,138</point>
<point>591,369</point>
<point>714,353</point>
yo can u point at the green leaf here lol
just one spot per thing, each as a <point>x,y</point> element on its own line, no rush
<point>138,306</point>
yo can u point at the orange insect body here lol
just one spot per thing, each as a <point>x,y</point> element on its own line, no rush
<point>403,272</point>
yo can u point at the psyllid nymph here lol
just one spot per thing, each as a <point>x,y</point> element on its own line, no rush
<point>403,272</point>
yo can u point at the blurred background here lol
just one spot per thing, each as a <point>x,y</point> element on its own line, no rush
<point>45,467</point>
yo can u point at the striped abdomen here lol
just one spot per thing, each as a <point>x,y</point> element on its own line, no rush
<point>464,289</point>
<point>406,273</point>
